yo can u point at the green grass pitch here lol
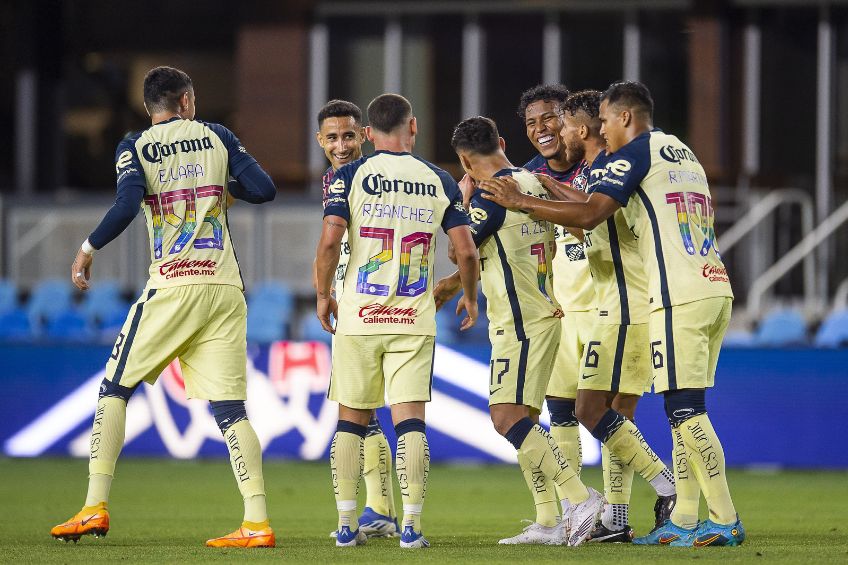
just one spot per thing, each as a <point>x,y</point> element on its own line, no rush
<point>162,511</point>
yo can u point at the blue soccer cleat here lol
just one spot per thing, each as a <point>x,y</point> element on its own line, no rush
<point>667,534</point>
<point>409,539</point>
<point>346,538</point>
<point>376,525</point>
<point>709,533</point>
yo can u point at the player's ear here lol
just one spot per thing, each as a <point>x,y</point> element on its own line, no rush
<point>319,138</point>
<point>502,143</point>
<point>361,134</point>
<point>465,162</point>
<point>584,131</point>
<point>146,109</point>
<point>184,102</point>
<point>369,134</point>
<point>413,126</point>
<point>626,118</point>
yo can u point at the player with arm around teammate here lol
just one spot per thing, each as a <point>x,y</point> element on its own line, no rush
<point>390,204</point>
<point>193,306</point>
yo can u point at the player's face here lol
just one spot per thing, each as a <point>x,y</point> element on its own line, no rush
<point>613,129</point>
<point>341,139</point>
<point>543,120</point>
<point>575,150</point>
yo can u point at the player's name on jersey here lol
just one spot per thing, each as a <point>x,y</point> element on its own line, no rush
<point>401,212</point>
<point>535,227</point>
<point>187,171</point>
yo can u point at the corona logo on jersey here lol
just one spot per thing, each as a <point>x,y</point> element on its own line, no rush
<point>377,184</point>
<point>674,154</point>
<point>153,152</point>
<point>287,405</point>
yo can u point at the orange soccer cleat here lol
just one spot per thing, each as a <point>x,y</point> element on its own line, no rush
<point>91,520</point>
<point>245,537</point>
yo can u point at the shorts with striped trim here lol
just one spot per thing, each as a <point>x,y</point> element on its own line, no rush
<point>576,332</point>
<point>519,370</point>
<point>685,342</point>
<point>617,359</point>
<point>204,325</point>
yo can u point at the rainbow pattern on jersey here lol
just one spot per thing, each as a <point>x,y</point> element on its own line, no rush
<point>538,249</point>
<point>212,217</point>
<point>158,227</point>
<point>695,207</point>
<point>406,245</point>
<point>386,235</point>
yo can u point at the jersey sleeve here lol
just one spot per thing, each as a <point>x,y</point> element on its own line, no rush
<point>239,158</point>
<point>619,175</point>
<point>336,200</point>
<point>131,187</point>
<point>487,217</point>
<point>455,214</point>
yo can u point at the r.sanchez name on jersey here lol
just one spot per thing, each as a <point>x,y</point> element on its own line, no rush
<point>618,271</point>
<point>666,198</point>
<point>184,166</point>
<point>344,253</point>
<point>393,203</point>
<point>515,263</point>
<point>572,280</point>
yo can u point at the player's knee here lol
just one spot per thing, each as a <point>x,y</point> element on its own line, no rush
<point>563,412</point>
<point>588,413</point>
<point>680,405</point>
<point>228,412</point>
<point>502,422</point>
<point>108,388</point>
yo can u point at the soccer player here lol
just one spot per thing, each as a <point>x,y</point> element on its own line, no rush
<point>524,329</point>
<point>340,134</point>
<point>666,198</point>
<point>617,368</point>
<point>390,204</point>
<point>193,305</point>
<point>541,108</point>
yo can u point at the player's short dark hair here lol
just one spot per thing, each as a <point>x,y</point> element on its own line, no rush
<point>588,101</point>
<point>631,94</point>
<point>340,109</point>
<point>163,87</point>
<point>549,92</point>
<point>388,111</point>
<point>476,135</point>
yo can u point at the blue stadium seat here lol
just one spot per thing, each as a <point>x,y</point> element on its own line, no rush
<point>14,326</point>
<point>311,330</point>
<point>738,338</point>
<point>49,298</point>
<point>110,322</point>
<point>69,326</point>
<point>8,296</point>
<point>781,328</point>
<point>100,302</point>
<point>264,326</point>
<point>274,299</point>
<point>833,331</point>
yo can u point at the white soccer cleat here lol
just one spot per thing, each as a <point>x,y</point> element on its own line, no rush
<point>537,534</point>
<point>583,517</point>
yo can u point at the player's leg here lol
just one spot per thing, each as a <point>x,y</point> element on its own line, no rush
<point>357,384</point>
<point>408,366</point>
<point>379,517</point>
<point>139,354</point>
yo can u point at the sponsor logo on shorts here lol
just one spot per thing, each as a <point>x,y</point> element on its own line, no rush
<point>187,268</point>
<point>714,274</point>
<point>377,313</point>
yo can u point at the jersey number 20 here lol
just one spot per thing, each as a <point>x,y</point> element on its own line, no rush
<point>407,244</point>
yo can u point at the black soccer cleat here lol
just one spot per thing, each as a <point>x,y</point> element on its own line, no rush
<point>663,508</point>
<point>602,534</point>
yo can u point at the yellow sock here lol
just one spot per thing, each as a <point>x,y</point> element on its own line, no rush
<point>707,459</point>
<point>543,491</point>
<point>107,440</point>
<point>377,475</point>
<point>618,477</point>
<point>629,445</point>
<point>541,451</point>
<point>568,440</point>
<point>412,461</point>
<point>255,526</point>
<point>685,513</point>
<point>346,462</point>
<point>246,460</point>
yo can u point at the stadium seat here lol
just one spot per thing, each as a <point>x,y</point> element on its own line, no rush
<point>8,296</point>
<point>833,331</point>
<point>49,298</point>
<point>311,330</point>
<point>110,323</point>
<point>14,326</point>
<point>781,328</point>
<point>69,326</point>
<point>264,326</point>
<point>738,338</point>
<point>101,301</point>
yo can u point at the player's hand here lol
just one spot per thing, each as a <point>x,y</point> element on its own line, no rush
<point>470,307</point>
<point>558,313</point>
<point>81,270</point>
<point>504,191</point>
<point>553,186</point>
<point>467,186</point>
<point>324,309</point>
<point>445,290</point>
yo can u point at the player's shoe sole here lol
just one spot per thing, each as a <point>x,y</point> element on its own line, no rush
<point>92,522</point>
<point>245,538</point>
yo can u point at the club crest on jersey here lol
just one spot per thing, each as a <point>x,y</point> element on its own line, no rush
<point>377,184</point>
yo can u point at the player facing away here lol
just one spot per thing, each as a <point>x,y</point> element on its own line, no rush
<point>616,367</point>
<point>390,204</point>
<point>341,134</point>
<point>524,329</point>
<point>541,108</point>
<point>193,306</point>
<point>689,291</point>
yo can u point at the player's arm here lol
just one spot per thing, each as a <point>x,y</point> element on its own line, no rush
<point>326,261</point>
<point>467,262</point>
<point>131,189</point>
<point>563,191</point>
<point>250,181</point>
